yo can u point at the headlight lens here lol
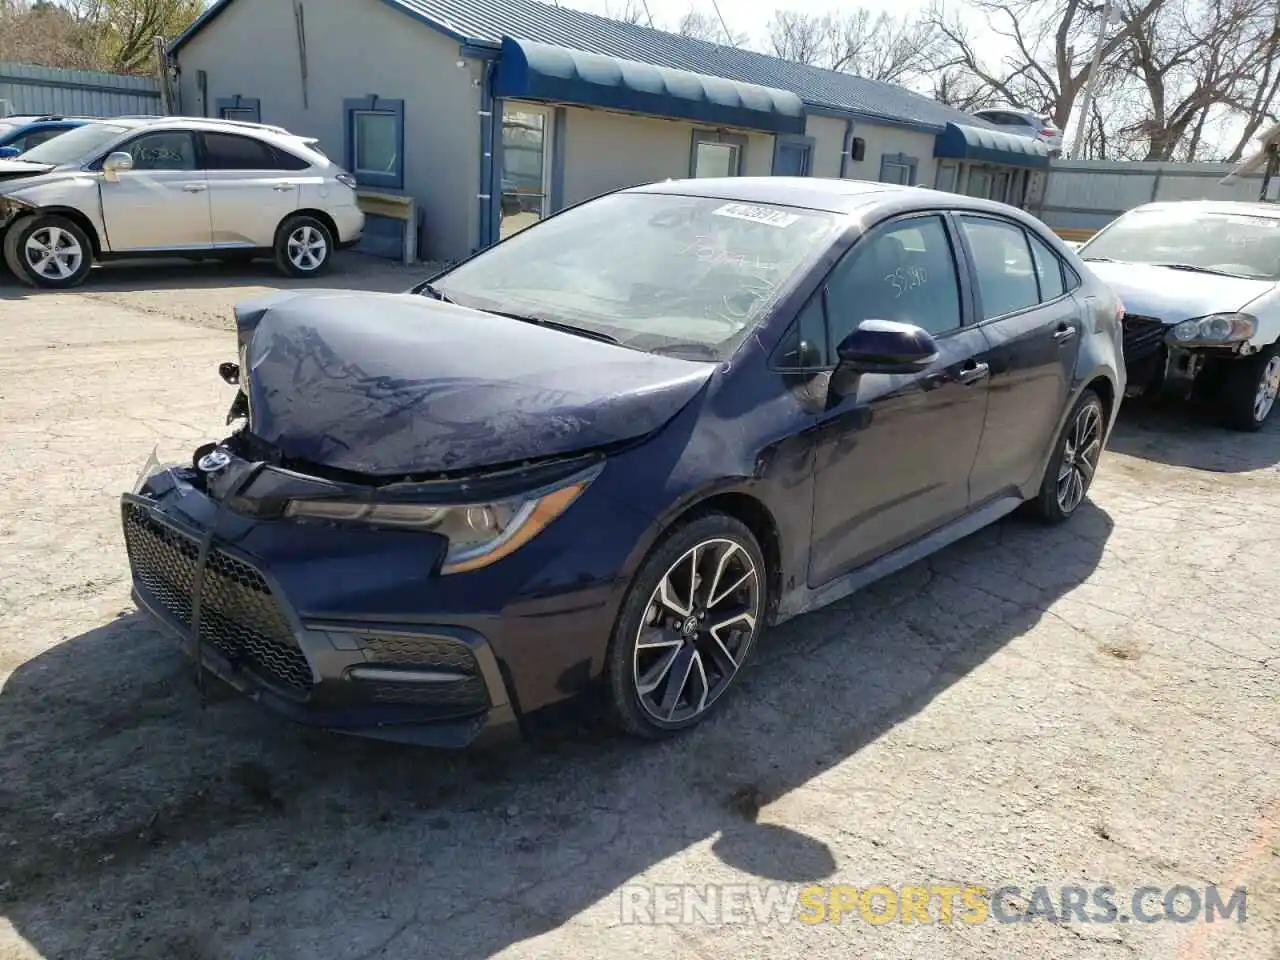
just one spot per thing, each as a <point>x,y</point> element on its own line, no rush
<point>1216,328</point>
<point>478,533</point>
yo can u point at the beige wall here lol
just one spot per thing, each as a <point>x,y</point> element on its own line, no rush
<point>355,48</point>
<point>885,140</point>
<point>828,144</point>
<point>605,151</point>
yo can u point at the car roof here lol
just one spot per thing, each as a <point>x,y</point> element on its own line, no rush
<point>824,193</point>
<point>1255,208</point>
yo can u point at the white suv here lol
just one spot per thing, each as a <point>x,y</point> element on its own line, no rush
<point>151,186</point>
<point>1025,123</point>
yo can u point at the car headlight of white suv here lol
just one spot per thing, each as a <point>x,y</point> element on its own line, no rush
<point>1216,328</point>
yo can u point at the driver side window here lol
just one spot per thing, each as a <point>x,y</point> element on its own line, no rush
<point>904,272</point>
<point>163,150</point>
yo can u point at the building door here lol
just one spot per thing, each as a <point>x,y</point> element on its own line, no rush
<point>791,159</point>
<point>526,167</point>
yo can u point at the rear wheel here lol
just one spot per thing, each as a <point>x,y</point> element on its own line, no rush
<point>689,621</point>
<point>1249,390</point>
<point>303,247</point>
<point>48,251</point>
<point>1074,462</point>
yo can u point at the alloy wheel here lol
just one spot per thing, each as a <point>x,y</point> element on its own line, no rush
<point>696,630</point>
<point>307,248</point>
<point>1268,388</point>
<point>53,253</point>
<point>1081,448</point>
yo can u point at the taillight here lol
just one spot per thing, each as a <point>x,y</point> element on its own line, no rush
<point>346,179</point>
<point>1048,132</point>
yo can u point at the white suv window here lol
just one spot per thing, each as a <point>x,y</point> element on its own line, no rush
<point>163,150</point>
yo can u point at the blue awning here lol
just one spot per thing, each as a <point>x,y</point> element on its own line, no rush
<point>962,142</point>
<point>540,71</point>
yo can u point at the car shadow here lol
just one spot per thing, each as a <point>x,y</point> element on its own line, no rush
<point>135,823</point>
<point>349,271</point>
<point>1188,434</point>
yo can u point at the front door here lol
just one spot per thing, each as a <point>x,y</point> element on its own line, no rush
<point>893,459</point>
<point>163,202</point>
<point>250,191</point>
<point>1034,325</point>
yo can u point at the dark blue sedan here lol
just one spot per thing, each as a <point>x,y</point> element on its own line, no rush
<point>602,456</point>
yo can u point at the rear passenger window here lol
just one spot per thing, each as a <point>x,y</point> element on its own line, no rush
<point>1002,260</point>
<point>224,151</point>
<point>1048,269</point>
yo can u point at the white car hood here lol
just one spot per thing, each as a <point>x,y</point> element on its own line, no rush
<point>1176,295</point>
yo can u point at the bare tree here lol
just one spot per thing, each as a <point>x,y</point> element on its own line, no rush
<point>45,35</point>
<point>877,46</point>
<point>128,27</point>
<point>628,11</point>
<point>703,26</point>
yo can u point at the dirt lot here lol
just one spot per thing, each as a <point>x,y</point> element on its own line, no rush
<point>1093,705</point>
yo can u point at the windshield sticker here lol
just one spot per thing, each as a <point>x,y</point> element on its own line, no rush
<point>765,215</point>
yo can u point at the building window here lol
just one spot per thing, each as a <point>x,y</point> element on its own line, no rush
<point>898,168</point>
<point>246,109</point>
<point>375,141</point>
<point>946,177</point>
<point>717,154</point>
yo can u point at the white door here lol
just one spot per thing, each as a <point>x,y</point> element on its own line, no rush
<point>250,189</point>
<point>163,202</point>
<point>526,167</point>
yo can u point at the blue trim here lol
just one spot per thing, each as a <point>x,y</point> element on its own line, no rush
<point>963,142</point>
<point>901,159</point>
<point>717,136</point>
<point>476,51</point>
<point>540,71</point>
<point>240,103</point>
<point>487,159</point>
<point>559,136</point>
<point>782,141</point>
<point>373,104</point>
<point>846,152</point>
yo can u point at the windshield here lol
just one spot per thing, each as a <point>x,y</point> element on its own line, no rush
<point>1236,244</point>
<point>76,145</point>
<point>688,276</point>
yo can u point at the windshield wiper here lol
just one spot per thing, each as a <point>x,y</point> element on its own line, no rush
<point>1192,268</point>
<point>1098,259</point>
<point>557,325</point>
<point>430,290</point>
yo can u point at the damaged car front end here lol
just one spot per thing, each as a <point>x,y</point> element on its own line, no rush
<point>336,556</point>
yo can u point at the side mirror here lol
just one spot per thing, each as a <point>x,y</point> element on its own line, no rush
<point>885,346</point>
<point>7,153</point>
<point>116,164</point>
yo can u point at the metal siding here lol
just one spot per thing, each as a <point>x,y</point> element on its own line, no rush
<point>86,93</point>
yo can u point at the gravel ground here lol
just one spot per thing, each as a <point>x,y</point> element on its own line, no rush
<point>1085,706</point>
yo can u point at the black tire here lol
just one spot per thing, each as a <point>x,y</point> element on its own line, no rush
<point>1050,506</point>
<point>291,234</point>
<point>626,707</point>
<point>74,252</point>
<point>1240,400</point>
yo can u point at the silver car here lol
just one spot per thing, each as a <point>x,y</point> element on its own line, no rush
<point>1025,123</point>
<point>133,187</point>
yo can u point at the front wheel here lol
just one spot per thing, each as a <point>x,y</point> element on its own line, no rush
<point>48,251</point>
<point>1074,461</point>
<point>1249,390</point>
<point>303,247</point>
<point>688,623</point>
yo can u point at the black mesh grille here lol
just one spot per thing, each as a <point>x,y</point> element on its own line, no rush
<point>466,695</point>
<point>433,652</point>
<point>1142,337</point>
<point>238,614</point>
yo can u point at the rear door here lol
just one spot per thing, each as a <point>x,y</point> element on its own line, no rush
<point>251,189</point>
<point>1034,327</point>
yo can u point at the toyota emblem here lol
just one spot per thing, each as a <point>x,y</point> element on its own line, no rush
<point>213,461</point>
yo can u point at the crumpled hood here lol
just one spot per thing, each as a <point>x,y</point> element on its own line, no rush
<point>18,169</point>
<point>1176,295</point>
<point>399,384</point>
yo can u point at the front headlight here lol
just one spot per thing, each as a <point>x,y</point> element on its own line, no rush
<point>1217,328</point>
<point>478,533</point>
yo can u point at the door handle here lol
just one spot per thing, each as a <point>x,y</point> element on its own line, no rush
<point>972,372</point>
<point>1064,332</point>
<point>194,188</point>
<point>283,188</point>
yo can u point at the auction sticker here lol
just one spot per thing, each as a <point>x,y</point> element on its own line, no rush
<point>766,215</point>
